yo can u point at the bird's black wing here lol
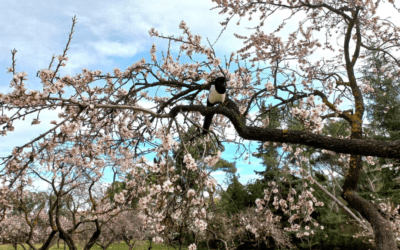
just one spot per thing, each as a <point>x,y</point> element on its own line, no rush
<point>207,120</point>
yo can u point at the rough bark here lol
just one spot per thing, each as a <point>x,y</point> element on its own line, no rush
<point>346,146</point>
<point>48,243</point>
<point>93,239</point>
<point>68,240</point>
<point>384,237</point>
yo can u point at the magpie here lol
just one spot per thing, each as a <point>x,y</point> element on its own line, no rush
<point>216,95</point>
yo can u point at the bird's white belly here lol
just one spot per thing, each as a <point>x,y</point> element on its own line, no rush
<point>215,97</point>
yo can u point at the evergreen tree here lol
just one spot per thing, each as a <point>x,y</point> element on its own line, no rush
<point>383,113</point>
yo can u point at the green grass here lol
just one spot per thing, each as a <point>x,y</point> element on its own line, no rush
<point>122,246</point>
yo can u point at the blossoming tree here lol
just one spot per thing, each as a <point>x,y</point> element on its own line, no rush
<point>127,226</point>
<point>105,119</point>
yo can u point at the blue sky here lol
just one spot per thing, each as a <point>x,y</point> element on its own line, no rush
<point>108,34</point>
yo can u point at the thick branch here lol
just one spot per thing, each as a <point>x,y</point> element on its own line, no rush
<point>346,146</point>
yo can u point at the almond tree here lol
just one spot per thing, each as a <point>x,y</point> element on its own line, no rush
<point>32,207</point>
<point>126,226</point>
<point>106,238</point>
<point>15,230</point>
<point>103,114</point>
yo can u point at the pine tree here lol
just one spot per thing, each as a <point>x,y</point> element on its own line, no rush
<point>383,112</point>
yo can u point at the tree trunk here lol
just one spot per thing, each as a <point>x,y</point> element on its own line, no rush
<point>180,241</point>
<point>47,242</point>
<point>68,240</point>
<point>128,242</point>
<point>22,244</point>
<point>383,233</point>
<point>92,240</point>
<point>211,195</point>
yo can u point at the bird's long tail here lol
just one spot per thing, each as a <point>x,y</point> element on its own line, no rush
<point>207,123</point>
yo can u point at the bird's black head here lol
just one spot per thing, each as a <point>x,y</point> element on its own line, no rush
<point>220,84</point>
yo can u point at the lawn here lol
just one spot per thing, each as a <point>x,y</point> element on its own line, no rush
<point>122,246</point>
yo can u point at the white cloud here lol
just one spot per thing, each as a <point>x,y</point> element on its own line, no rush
<point>248,177</point>
<point>25,132</point>
<point>111,48</point>
<point>39,30</point>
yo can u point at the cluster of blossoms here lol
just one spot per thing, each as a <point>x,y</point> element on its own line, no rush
<point>201,225</point>
<point>190,162</point>
<point>371,160</point>
<point>310,118</point>
<point>192,247</point>
<point>390,167</point>
<point>211,183</point>
<point>168,186</point>
<point>157,240</point>
<point>70,129</point>
<point>263,227</point>
<point>270,87</point>
<point>366,87</point>
<point>19,96</point>
<point>298,208</point>
<point>153,50</point>
<point>212,160</point>
<point>191,193</point>
<point>120,198</point>
<point>167,141</point>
